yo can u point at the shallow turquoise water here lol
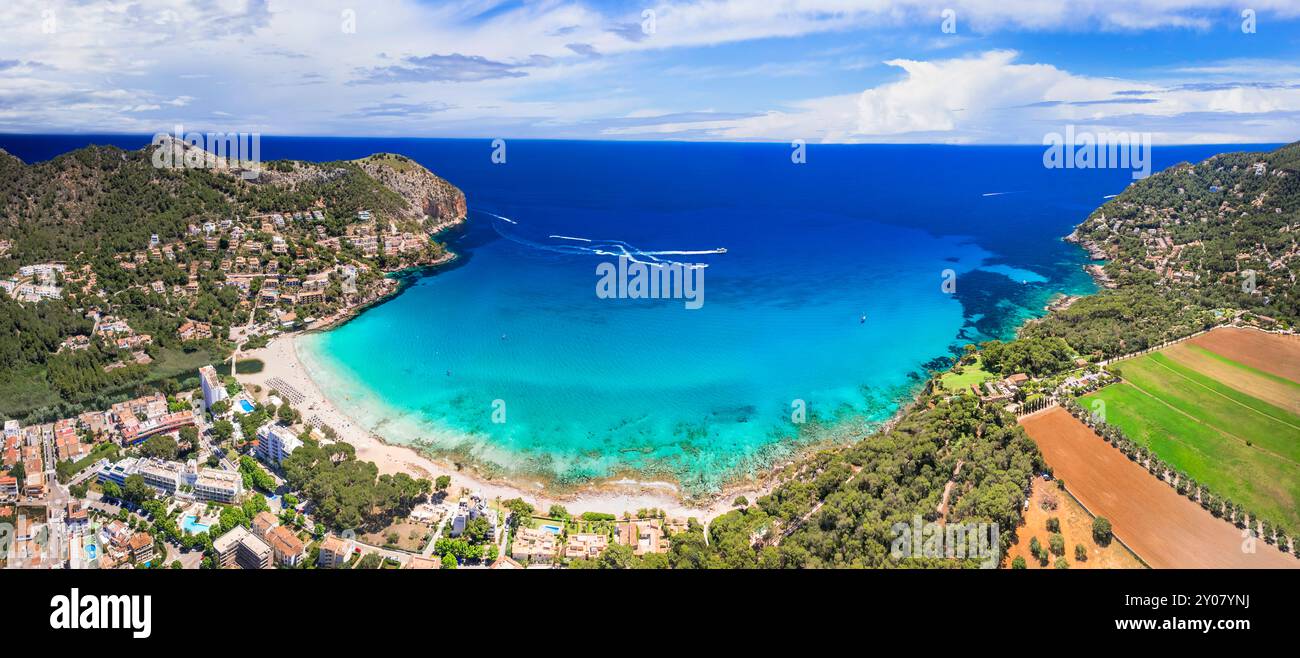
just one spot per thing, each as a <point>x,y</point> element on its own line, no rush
<point>594,387</point>
<point>512,359</point>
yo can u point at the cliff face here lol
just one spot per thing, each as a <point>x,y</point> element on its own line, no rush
<point>427,193</point>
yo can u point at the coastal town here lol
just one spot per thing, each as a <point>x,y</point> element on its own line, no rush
<point>418,286</point>
<point>1218,221</point>
<point>199,471</point>
<point>189,432</point>
<point>146,463</point>
<point>174,482</point>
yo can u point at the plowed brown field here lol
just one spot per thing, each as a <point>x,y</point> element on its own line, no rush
<point>1165,529</point>
<point>1278,355</point>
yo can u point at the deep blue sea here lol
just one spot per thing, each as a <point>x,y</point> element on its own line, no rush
<point>510,358</point>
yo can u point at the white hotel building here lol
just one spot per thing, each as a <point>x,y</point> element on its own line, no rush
<point>213,389</point>
<point>207,484</point>
<point>274,443</point>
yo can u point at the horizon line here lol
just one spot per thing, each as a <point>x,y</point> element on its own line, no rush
<point>149,136</point>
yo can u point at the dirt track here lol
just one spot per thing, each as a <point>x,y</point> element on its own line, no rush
<point>1165,529</point>
<point>1278,355</point>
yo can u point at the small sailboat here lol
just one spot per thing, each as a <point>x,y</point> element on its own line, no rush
<point>863,319</point>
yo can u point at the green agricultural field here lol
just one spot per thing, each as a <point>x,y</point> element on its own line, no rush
<point>1237,445</point>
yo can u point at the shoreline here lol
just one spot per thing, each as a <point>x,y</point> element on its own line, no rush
<point>616,495</point>
<point>395,282</point>
<point>619,492</point>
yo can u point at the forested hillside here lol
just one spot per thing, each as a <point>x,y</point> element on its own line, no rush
<point>94,214</point>
<point>104,200</point>
<point>1188,246</point>
<point>889,478</point>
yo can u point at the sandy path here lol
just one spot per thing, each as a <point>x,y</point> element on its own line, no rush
<point>1165,529</point>
<point>281,359</point>
<point>1274,354</point>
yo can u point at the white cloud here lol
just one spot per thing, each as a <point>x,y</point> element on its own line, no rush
<point>707,22</point>
<point>992,98</point>
<point>493,67</point>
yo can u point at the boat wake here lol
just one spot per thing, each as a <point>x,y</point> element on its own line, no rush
<point>599,247</point>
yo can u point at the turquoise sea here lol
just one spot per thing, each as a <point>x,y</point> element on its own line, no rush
<point>588,388</point>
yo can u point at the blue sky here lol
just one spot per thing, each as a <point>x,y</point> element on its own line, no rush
<point>959,71</point>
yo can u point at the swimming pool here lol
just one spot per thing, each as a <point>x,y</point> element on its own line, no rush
<point>553,529</point>
<point>190,524</point>
<point>246,406</point>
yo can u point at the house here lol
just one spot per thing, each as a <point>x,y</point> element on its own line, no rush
<point>643,536</point>
<point>531,545</point>
<point>585,545</point>
<point>421,562</point>
<point>77,519</point>
<point>506,562</point>
<point>287,548</point>
<point>73,343</point>
<point>334,553</point>
<point>192,330</point>
<point>8,487</point>
<point>94,421</point>
<point>116,533</point>
<point>241,548</point>
<point>35,484</point>
<point>263,522</point>
<point>140,547</point>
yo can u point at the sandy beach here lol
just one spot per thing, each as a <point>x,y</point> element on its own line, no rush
<point>614,497</point>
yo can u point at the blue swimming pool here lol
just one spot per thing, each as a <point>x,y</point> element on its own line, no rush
<point>246,406</point>
<point>190,524</point>
<point>553,529</point>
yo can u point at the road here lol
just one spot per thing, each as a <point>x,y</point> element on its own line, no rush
<point>446,514</point>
